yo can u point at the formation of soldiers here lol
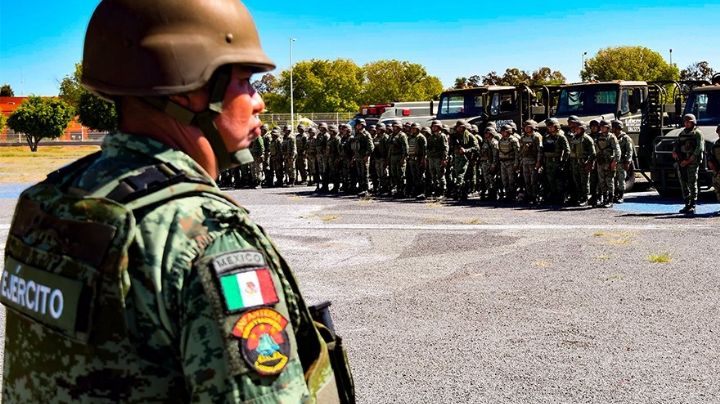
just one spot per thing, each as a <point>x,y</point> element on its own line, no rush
<point>586,165</point>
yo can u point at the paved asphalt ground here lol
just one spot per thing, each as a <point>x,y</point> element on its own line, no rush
<point>472,303</point>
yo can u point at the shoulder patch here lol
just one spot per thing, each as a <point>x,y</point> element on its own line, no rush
<point>264,341</point>
<point>244,281</point>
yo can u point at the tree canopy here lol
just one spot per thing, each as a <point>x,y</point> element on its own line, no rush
<point>6,91</point>
<point>698,71</point>
<point>70,87</point>
<point>394,80</point>
<point>3,121</point>
<point>93,111</point>
<point>628,63</point>
<point>512,77</point>
<point>38,118</point>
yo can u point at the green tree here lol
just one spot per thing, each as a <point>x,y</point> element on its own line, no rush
<point>628,63</point>
<point>266,84</point>
<point>38,118</point>
<point>546,76</point>
<point>318,86</point>
<point>394,80</point>
<point>70,87</point>
<point>467,82</point>
<point>697,71</point>
<point>3,121</point>
<point>96,113</point>
<point>6,91</point>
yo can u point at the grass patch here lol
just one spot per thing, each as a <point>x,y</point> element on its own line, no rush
<point>662,258</point>
<point>328,218</point>
<point>603,257</point>
<point>621,238</point>
<point>542,264</point>
<point>614,278</point>
<point>474,221</point>
<point>19,165</point>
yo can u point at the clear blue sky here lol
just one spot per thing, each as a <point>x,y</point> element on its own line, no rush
<point>41,40</point>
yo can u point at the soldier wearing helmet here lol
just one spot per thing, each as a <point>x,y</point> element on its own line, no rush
<point>608,154</point>
<point>334,159</point>
<point>509,159</point>
<point>276,158</point>
<point>363,151</point>
<point>150,302</point>
<point>437,154</point>
<point>489,160</point>
<point>462,146</point>
<point>397,156</point>
<point>267,166</point>
<point>531,157</point>
<point>381,184</point>
<point>582,159</point>
<point>594,131</point>
<point>416,161</point>
<point>624,166</point>
<point>311,157</point>
<point>688,152</point>
<point>301,164</point>
<point>257,148</point>
<point>289,150</point>
<point>556,151</point>
<point>322,159</point>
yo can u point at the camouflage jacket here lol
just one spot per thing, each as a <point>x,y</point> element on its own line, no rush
<point>627,148</point>
<point>437,146</point>
<point>689,144</point>
<point>184,338</point>
<point>289,147</point>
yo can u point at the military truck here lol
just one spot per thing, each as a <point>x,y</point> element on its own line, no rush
<point>703,101</point>
<point>501,104</point>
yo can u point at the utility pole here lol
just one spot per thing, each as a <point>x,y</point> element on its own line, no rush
<point>292,106</point>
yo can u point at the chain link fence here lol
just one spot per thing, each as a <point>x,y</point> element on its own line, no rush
<point>327,117</point>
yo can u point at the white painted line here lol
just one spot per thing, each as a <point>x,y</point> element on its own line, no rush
<point>479,227</point>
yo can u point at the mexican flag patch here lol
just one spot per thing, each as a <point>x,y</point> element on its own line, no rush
<point>244,290</point>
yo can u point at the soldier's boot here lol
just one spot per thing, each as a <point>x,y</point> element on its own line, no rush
<point>686,209</point>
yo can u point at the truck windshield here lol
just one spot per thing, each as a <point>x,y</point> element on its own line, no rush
<point>705,106</point>
<point>588,100</point>
<point>465,105</point>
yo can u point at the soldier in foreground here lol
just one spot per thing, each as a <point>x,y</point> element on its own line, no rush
<point>688,153</point>
<point>530,159</point>
<point>582,160</point>
<point>608,153</point>
<point>437,153</point>
<point>166,291</point>
<point>627,151</point>
<point>556,151</point>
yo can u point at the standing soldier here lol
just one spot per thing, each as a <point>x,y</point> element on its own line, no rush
<point>437,154</point>
<point>489,159</point>
<point>471,175</point>
<point>713,157</point>
<point>322,159</point>
<point>688,153</point>
<point>333,160</point>
<point>289,155</point>
<point>582,158</point>
<point>509,157</point>
<point>556,151</point>
<point>462,145</point>
<point>348,156</point>
<point>363,151</point>
<point>267,140</point>
<point>417,144</point>
<point>530,159</point>
<point>380,154</point>
<point>627,151</point>
<point>276,158</point>
<point>594,133</point>
<point>311,157</point>
<point>608,153</point>
<point>257,149</point>
<point>397,156</point>
<point>301,159</point>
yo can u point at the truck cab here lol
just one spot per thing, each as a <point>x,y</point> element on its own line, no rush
<point>704,103</point>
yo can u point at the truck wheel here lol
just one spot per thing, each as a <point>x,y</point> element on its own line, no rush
<point>630,177</point>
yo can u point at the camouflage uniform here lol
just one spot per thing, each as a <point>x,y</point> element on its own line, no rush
<point>277,160</point>
<point>462,144</point>
<point>380,155</point>
<point>322,160</point>
<point>608,152</point>
<point>333,160</point>
<point>363,150</point>
<point>160,331</point>
<point>627,150</point>
<point>582,158</point>
<point>348,162</point>
<point>489,159</point>
<point>556,150</point>
<point>417,149</point>
<point>531,155</point>
<point>397,155</point>
<point>257,148</point>
<point>268,168</point>
<point>437,154</point>
<point>311,155</point>
<point>509,157</point>
<point>289,149</point>
<point>689,148</point>
<point>301,163</point>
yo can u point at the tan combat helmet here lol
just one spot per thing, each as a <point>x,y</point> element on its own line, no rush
<point>152,49</point>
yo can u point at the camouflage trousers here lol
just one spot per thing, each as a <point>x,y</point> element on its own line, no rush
<point>437,175</point>
<point>332,172</point>
<point>312,169</point>
<point>347,175</point>
<point>321,164</point>
<point>277,166</point>
<point>507,175</point>
<point>362,166</point>
<point>301,166</point>
<point>383,179</point>
<point>257,171</point>
<point>554,182</point>
<point>397,172</point>
<point>606,182</point>
<point>488,176</point>
<point>460,166</point>
<point>581,180</point>
<point>688,177</point>
<point>289,164</point>
<point>414,176</point>
<point>620,181</point>
<point>716,184</point>
<point>530,178</point>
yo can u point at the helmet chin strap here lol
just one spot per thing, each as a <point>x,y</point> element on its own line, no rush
<point>205,120</point>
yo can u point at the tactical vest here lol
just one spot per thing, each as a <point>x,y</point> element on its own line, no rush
<point>486,151</point>
<point>436,145</point>
<point>276,148</point>
<point>688,144</point>
<point>66,280</point>
<point>412,146</point>
<point>312,147</point>
<point>576,147</point>
<point>604,149</point>
<point>506,149</point>
<point>550,147</point>
<point>301,142</point>
<point>528,148</point>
